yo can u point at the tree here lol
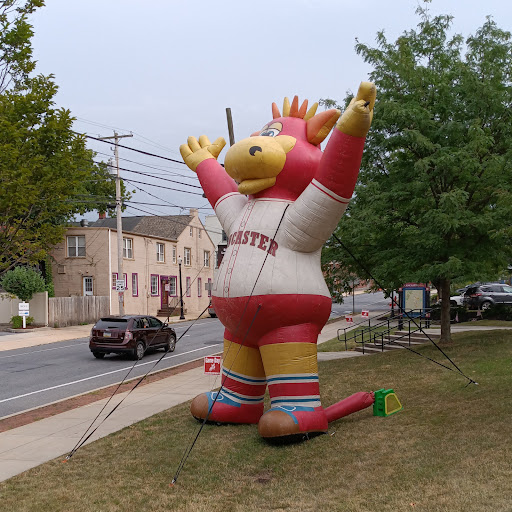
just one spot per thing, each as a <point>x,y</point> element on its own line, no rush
<point>47,175</point>
<point>23,282</point>
<point>434,200</point>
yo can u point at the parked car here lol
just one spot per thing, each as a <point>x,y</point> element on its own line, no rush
<point>486,295</point>
<point>211,310</point>
<point>457,300</point>
<point>131,335</point>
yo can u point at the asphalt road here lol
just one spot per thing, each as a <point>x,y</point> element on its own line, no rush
<point>36,376</point>
<point>369,301</point>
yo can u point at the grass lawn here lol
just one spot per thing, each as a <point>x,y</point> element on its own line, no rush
<point>450,449</point>
<point>487,323</point>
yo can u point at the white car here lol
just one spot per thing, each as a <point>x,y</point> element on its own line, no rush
<point>456,300</point>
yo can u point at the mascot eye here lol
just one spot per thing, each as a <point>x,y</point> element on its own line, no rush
<point>270,132</point>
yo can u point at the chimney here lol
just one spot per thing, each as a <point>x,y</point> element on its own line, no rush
<point>102,215</point>
<point>84,223</point>
<point>194,212</point>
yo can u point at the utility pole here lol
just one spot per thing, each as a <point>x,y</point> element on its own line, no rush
<point>120,274</point>
<point>230,127</point>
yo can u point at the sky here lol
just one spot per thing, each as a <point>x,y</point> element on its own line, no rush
<point>166,69</point>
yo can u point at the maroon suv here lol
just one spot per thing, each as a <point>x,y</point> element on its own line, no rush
<point>130,334</point>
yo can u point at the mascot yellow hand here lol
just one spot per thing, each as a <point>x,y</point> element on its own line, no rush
<point>194,152</point>
<point>357,118</point>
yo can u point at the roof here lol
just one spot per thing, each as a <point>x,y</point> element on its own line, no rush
<point>169,226</point>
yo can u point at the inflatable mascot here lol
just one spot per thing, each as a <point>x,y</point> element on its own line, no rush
<point>278,198</point>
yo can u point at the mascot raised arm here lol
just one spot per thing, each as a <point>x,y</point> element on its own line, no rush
<point>278,198</point>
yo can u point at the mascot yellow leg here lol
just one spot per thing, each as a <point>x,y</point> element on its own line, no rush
<point>292,378</point>
<point>243,388</point>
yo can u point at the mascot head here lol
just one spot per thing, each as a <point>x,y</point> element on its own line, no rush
<point>281,159</point>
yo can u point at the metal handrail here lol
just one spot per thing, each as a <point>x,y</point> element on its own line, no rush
<point>367,330</point>
<point>422,318</point>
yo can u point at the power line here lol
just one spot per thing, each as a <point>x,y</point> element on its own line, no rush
<point>133,149</point>
<point>159,178</point>
<point>149,143</point>
<point>213,230</point>
<point>161,186</point>
<point>167,170</point>
<point>172,204</point>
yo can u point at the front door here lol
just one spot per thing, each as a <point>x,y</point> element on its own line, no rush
<point>87,286</point>
<point>164,286</point>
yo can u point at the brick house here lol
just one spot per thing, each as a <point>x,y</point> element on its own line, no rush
<point>85,263</point>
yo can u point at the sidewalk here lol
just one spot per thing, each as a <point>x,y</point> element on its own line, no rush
<point>31,445</point>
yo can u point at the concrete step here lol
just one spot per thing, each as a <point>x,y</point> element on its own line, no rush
<point>414,340</point>
<point>370,348</point>
<point>434,336</point>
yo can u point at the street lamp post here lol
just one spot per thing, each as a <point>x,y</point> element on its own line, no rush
<point>182,316</point>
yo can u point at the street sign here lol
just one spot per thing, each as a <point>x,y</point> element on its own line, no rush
<point>120,285</point>
<point>212,365</point>
<point>365,313</point>
<point>23,309</point>
<point>349,319</point>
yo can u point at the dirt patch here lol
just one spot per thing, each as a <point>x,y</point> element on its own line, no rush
<point>25,418</point>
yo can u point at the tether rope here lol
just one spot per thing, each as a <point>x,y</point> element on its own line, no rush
<point>188,450</point>
<point>403,311</point>
<point>85,435</point>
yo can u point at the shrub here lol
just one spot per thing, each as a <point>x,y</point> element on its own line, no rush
<point>459,312</point>
<point>17,321</point>
<point>498,312</point>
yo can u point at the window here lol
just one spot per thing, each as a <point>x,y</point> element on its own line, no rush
<point>198,233</point>
<point>224,236</point>
<point>160,252</point>
<point>125,277</point>
<point>206,258</point>
<point>172,286</point>
<point>187,256</point>
<point>191,231</point>
<point>209,287</point>
<point>128,248</point>
<point>188,285</point>
<point>199,286</point>
<point>154,285</point>
<point>154,322</point>
<point>174,254</point>
<point>76,246</point>
<point>135,285</point>
<point>114,279</point>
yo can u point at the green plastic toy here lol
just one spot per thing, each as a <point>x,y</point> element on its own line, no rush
<point>386,403</point>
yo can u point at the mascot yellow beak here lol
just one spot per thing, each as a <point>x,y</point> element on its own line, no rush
<point>255,162</point>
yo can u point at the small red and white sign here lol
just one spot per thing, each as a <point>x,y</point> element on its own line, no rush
<point>349,319</point>
<point>212,365</point>
<point>365,313</point>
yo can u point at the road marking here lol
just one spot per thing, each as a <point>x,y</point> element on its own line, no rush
<point>44,350</point>
<point>102,374</point>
